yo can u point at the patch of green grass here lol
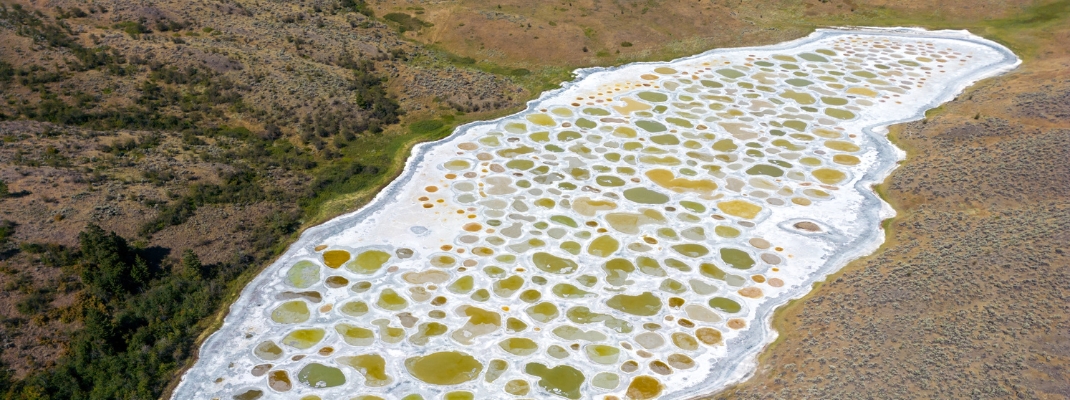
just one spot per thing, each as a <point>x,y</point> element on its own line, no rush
<point>406,22</point>
<point>134,29</point>
<point>461,60</point>
<point>367,164</point>
<point>1036,16</point>
<point>1022,32</point>
<point>387,152</point>
<point>535,80</point>
<point>426,126</point>
<point>359,6</point>
<point>932,112</point>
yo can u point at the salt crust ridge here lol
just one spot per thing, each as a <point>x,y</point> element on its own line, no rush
<point>741,358</point>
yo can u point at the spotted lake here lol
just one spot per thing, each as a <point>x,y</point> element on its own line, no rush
<point>626,236</point>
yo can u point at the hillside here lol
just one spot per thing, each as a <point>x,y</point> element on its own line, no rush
<point>209,132</point>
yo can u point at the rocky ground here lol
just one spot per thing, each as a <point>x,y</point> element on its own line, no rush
<point>204,125</point>
<point>282,57</point>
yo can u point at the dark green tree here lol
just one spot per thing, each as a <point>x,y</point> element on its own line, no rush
<point>191,265</point>
<point>109,267</point>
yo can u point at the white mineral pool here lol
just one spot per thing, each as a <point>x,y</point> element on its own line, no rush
<point>627,236</point>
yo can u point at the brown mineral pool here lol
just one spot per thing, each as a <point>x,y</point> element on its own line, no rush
<point>740,208</point>
<point>444,368</point>
<point>371,366</point>
<point>562,380</point>
<point>807,226</point>
<point>644,304</point>
<point>644,387</point>
<point>738,259</point>
<point>335,258</point>
<point>725,304</point>
<point>321,376</point>
<point>291,312</point>
<point>303,338</point>
<point>369,262</point>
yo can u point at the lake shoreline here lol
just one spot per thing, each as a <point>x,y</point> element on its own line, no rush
<point>744,347</point>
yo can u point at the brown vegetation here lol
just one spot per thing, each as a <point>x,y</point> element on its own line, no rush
<point>219,127</point>
<point>593,32</point>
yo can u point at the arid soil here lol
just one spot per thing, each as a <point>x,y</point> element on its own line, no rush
<point>597,32</point>
<point>277,79</point>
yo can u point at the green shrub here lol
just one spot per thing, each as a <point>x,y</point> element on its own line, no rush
<point>7,72</point>
<point>406,22</point>
<point>7,230</point>
<point>359,6</point>
<point>132,28</point>
<point>34,303</point>
<point>461,60</point>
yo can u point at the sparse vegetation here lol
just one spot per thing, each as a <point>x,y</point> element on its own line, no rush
<point>426,126</point>
<point>165,144</point>
<point>132,28</point>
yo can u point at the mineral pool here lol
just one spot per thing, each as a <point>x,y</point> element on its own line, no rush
<point>625,237</point>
